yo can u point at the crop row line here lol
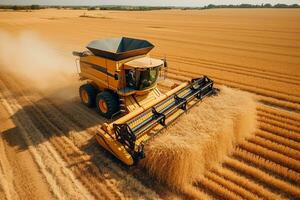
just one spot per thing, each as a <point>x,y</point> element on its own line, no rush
<point>263,177</point>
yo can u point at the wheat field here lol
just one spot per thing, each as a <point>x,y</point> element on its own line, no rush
<point>47,147</point>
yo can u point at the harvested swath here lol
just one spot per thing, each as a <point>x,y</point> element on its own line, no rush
<point>217,188</point>
<point>272,155</point>
<point>231,186</point>
<point>245,183</point>
<point>195,193</point>
<point>279,112</point>
<point>201,139</point>
<point>275,147</point>
<point>262,176</point>
<point>267,164</point>
<point>279,139</point>
<point>278,118</point>
<point>280,124</point>
<point>285,104</point>
<point>279,131</point>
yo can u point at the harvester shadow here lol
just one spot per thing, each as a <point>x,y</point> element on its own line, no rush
<point>49,117</point>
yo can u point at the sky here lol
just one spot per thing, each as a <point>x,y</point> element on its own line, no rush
<point>143,2</point>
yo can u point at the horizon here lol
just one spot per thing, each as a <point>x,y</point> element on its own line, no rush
<point>162,3</point>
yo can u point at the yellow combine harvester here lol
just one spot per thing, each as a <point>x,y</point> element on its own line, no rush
<point>121,79</point>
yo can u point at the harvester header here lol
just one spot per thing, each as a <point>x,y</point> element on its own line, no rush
<point>121,80</point>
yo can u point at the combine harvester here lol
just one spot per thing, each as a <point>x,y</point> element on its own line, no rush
<point>121,79</point>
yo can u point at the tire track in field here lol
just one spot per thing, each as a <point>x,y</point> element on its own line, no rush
<point>61,141</point>
<point>61,144</point>
<point>6,174</point>
<point>61,181</point>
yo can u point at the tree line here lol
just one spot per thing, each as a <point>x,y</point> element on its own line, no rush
<point>145,8</point>
<point>267,5</point>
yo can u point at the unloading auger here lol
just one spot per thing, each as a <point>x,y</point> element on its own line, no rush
<point>121,79</point>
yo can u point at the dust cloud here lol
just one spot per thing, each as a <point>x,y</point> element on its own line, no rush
<point>36,62</point>
<point>201,139</point>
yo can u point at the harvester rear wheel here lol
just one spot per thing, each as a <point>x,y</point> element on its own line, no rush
<point>87,94</point>
<point>107,103</point>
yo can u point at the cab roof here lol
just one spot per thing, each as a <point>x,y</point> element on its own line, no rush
<point>144,62</point>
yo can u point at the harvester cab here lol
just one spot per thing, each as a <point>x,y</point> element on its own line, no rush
<point>121,78</point>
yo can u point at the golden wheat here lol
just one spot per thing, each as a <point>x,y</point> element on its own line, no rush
<point>267,164</point>
<point>275,147</point>
<point>285,104</point>
<point>245,183</point>
<point>248,57</point>
<point>279,112</point>
<point>231,186</point>
<point>195,192</point>
<point>278,118</point>
<point>279,139</point>
<point>280,124</point>
<point>217,188</point>
<point>272,155</point>
<point>264,177</point>
<point>279,131</point>
<point>234,69</point>
<point>184,74</point>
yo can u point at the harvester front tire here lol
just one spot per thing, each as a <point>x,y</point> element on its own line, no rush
<point>107,103</point>
<point>87,94</point>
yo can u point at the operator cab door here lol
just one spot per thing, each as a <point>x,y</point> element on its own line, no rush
<point>141,78</point>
